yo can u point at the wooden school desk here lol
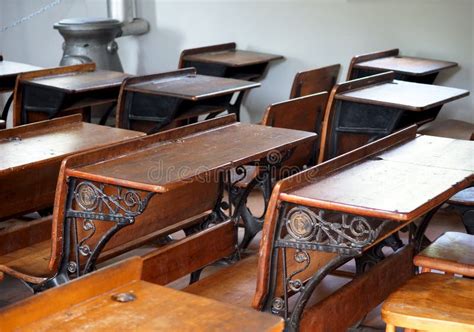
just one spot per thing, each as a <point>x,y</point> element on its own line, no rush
<point>93,303</point>
<point>9,70</point>
<point>59,91</point>
<point>225,60</point>
<point>31,156</point>
<point>406,68</point>
<point>349,205</point>
<point>378,105</point>
<point>163,98</point>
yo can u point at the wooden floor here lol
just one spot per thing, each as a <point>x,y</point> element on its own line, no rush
<point>12,290</point>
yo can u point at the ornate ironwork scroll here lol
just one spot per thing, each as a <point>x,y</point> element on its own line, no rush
<point>301,231</point>
<point>90,203</point>
<point>343,233</point>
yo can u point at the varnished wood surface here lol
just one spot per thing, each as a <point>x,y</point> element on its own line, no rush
<point>449,128</point>
<point>10,68</point>
<point>159,166</point>
<point>400,184</point>
<point>32,154</point>
<point>432,302</point>
<point>155,308</point>
<point>404,95</point>
<point>465,197</point>
<point>314,81</point>
<point>81,81</point>
<point>233,58</point>
<point>190,86</point>
<point>45,141</point>
<point>406,65</point>
<point>452,252</point>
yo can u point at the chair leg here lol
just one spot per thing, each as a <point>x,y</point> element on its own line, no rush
<point>389,328</point>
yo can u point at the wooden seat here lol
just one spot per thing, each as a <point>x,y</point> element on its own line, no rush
<point>464,197</point>
<point>449,128</point>
<point>303,113</point>
<point>431,302</point>
<point>452,253</point>
<point>235,284</point>
<point>315,80</point>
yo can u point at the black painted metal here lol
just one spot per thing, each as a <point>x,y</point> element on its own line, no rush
<point>371,121</point>
<point>425,79</point>
<point>6,108</point>
<point>307,230</point>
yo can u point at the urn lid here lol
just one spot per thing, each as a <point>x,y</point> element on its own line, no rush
<point>87,23</point>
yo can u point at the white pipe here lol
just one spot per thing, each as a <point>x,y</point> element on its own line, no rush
<point>126,11</point>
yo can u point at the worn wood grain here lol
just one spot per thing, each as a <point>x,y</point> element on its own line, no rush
<point>432,302</point>
<point>314,81</point>
<point>32,154</point>
<point>415,97</point>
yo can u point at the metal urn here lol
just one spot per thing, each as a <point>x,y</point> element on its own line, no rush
<point>90,40</point>
<point>93,39</point>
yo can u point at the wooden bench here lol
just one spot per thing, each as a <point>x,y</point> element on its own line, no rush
<point>48,93</point>
<point>431,302</point>
<point>314,81</point>
<point>452,253</point>
<point>117,297</point>
<point>89,215</point>
<point>161,101</point>
<point>406,68</point>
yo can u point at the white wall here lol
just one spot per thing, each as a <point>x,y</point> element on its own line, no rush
<point>308,33</point>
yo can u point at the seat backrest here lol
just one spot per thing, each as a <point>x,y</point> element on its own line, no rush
<point>337,136</point>
<point>289,237</point>
<point>19,114</point>
<point>146,112</point>
<point>353,73</point>
<point>303,113</point>
<point>204,49</point>
<point>84,231</point>
<point>314,81</point>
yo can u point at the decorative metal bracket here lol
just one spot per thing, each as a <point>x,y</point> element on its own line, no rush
<point>308,230</point>
<point>89,202</point>
<point>303,230</point>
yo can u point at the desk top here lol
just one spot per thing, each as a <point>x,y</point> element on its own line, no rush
<point>80,81</point>
<point>159,166</point>
<point>233,58</point>
<point>9,68</point>
<point>404,95</point>
<point>401,183</point>
<point>156,308</point>
<point>192,87</point>
<point>406,65</point>
<point>23,146</point>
